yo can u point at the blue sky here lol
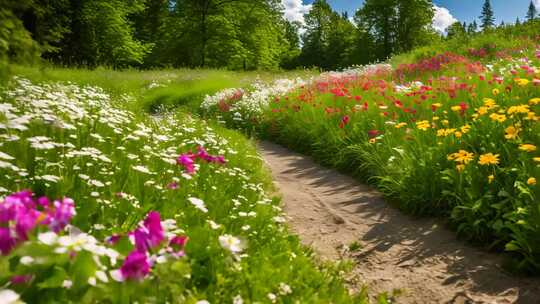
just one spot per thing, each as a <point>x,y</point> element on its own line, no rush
<point>463,10</point>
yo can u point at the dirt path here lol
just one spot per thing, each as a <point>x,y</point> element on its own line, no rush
<point>329,210</point>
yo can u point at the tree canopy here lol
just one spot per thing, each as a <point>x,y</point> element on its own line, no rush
<point>488,17</point>
<point>531,12</point>
<point>232,34</point>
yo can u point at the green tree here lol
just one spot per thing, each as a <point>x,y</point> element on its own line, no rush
<point>149,20</point>
<point>456,30</point>
<point>107,34</point>
<point>397,25</point>
<point>379,17</point>
<point>16,44</point>
<point>472,28</point>
<point>488,17</point>
<point>363,48</point>
<point>341,36</point>
<point>531,13</point>
<point>291,56</point>
<point>414,19</point>
<point>315,39</point>
<point>238,34</point>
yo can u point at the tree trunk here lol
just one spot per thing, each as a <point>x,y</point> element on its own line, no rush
<point>204,31</point>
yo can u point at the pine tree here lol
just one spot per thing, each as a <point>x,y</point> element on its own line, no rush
<point>487,17</point>
<point>456,29</point>
<point>472,28</point>
<point>531,13</point>
<point>518,22</point>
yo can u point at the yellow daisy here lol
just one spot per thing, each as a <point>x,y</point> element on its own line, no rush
<point>489,159</point>
<point>527,147</point>
<point>511,132</point>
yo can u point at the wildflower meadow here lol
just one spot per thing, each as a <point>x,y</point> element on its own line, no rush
<point>103,204</point>
<point>269,151</point>
<point>450,135</point>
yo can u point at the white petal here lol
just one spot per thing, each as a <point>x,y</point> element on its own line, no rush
<point>116,275</point>
<point>8,296</point>
<point>48,238</point>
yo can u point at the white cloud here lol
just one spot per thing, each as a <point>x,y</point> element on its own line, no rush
<point>295,10</point>
<point>537,3</point>
<point>443,19</point>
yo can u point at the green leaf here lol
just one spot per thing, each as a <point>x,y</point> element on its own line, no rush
<point>503,193</point>
<point>498,225</point>
<point>83,268</point>
<point>512,246</point>
<point>56,280</point>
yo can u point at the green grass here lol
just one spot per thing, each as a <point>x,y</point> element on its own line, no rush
<point>187,95</point>
<point>404,140</point>
<point>118,165</point>
<point>505,41</point>
<point>153,90</point>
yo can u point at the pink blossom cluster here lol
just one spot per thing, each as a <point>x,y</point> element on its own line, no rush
<point>148,238</point>
<point>21,212</point>
<point>187,160</point>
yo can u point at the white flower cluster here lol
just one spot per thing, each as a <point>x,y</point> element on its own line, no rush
<point>365,70</point>
<point>211,101</point>
<point>250,104</point>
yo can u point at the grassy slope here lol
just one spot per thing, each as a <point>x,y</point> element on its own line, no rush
<point>272,255</point>
<point>154,89</point>
<point>404,141</point>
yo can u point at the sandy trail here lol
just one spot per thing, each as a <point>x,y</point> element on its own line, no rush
<point>419,256</point>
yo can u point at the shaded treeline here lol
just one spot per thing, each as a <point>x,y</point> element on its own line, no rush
<point>233,34</point>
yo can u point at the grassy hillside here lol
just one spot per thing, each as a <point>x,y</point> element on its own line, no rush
<point>449,130</point>
<point>107,204</point>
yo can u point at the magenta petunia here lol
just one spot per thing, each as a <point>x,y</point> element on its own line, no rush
<point>25,221</point>
<point>136,266</point>
<point>21,279</point>
<point>177,244</point>
<point>150,234</point>
<point>61,214</point>
<point>187,162</point>
<point>153,226</point>
<point>7,241</point>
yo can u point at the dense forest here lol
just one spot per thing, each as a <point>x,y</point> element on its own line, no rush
<point>233,34</point>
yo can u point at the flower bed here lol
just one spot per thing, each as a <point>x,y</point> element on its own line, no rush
<point>125,208</point>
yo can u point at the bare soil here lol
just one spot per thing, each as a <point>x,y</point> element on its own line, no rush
<point>421,257</point>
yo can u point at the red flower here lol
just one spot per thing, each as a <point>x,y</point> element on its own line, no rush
<point>373,133</point>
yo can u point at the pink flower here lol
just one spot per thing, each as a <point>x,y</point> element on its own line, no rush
<point>113,239</point>
<point>7,241</point>
<point>19,215</point>
<point>153,224</point>
<point>20,279</point>
<point>218,159</point>
<point>25,221</point>
<point>150,234</point>
<point>373,133</point>
<point>463,106</point>
<point>202,154</point>
<point>61,215</point>
<point>177,244</point>
<point>188,160</point>
<point>172,186</point>
<point>136,266</point>
<point>344,121</point>
<point>188,163</point>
